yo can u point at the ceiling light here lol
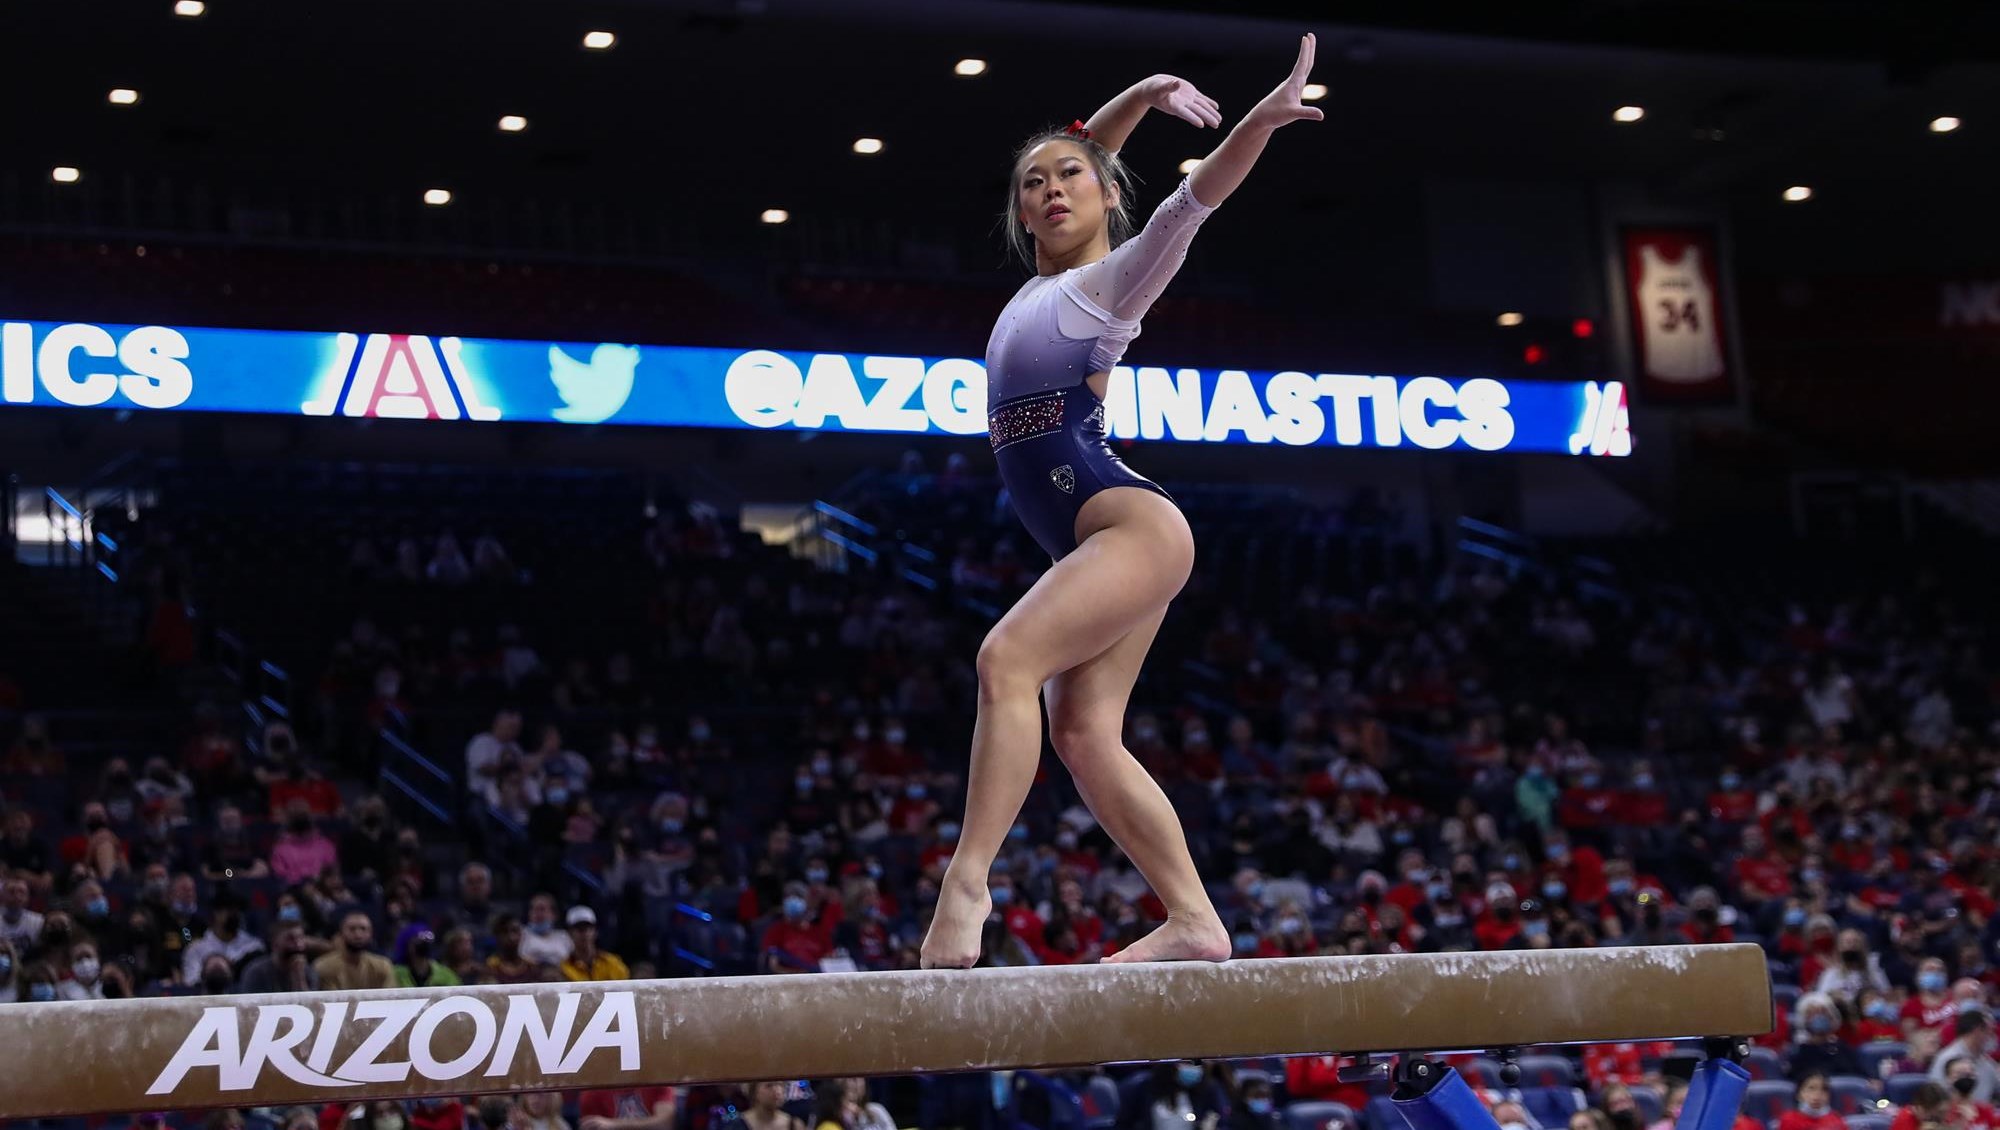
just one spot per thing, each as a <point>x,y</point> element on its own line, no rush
<point>1313,92</point>
<point>1190,165</point>
<point>124,97</point>
<point>775,215</point>
<point>599,40</point>
<point>868,145</point>
<point>63,174</point>
<point>437,197</point>
<point>1945,124</point>
<point>1797,193</point>
<point>1510,318</point>
<point>513,123</point>
<point>968,68</point>
<point>1628,113</point>
<point>189,8</point>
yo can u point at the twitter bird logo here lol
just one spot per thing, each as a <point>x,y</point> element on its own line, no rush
<point>595,392</point>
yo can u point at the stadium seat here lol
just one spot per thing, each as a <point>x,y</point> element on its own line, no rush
<point>1853,1095</point>
<point>1319,1116</point>
<point>1870,1121</point>
<point>1652,1108</point>
<point>1901,1088</point>
<point>1481,1072</point>
<point>1546,1071</point>
<point>1764,1063</point>
<point>1785,998</point>
<point>1100,1103</point>
<point>1552,1106</point>
<point>1768,1098</point>
<point>1875,1053</point>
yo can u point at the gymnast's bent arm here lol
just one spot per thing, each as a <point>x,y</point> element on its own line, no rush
<point>1112,124</point>
<point>1123,285</point>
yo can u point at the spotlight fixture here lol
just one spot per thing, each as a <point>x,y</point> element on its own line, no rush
<point>1945,124</point>
<point>1628,114</point>
<point>1797,193</point>
<point>64,174</point>
<point>1313,92</point>
<point>437,197</point>
<point>1190,165</point>
<point>1510,318</point>
<point>189,9</point>
<point>124,97</point>
<point>513,123</point>
<point>775,216</point>
<point>599,40</point>
<point>868,145</point>
<point>969,68</point>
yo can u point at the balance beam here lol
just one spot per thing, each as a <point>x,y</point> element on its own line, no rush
<point>182,1053</point>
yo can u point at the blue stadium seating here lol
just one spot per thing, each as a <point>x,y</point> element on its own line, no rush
<point>1652,1107</point>
<point>1768,1098</point>
<point>1319,1116</point>
<point>1547,1071</point>
<point>1900,1089</point>
<point>1764,1063</point>
<point>1552,1106</point>
<point>1877,1052</point>
<point>1100,1103</point>
<point>1853,1095</point>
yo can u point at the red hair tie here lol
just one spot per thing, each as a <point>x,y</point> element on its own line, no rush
<point>1077,129</point>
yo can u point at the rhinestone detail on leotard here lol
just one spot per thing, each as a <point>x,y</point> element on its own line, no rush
<point>1025,418</point>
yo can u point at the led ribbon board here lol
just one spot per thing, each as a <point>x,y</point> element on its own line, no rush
<point>411,376</point>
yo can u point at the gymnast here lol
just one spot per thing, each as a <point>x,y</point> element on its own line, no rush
<point>1120,555</point>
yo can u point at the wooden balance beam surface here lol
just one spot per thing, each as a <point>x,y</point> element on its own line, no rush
<point>179,1053</point>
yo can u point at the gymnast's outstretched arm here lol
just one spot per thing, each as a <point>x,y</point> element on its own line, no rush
<point>1112,124</point>
<point>1122,286</point>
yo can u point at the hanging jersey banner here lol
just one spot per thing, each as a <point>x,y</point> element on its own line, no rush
<point>1672,281</point>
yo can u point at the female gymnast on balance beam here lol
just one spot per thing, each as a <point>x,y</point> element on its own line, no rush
<point>1121,555</point>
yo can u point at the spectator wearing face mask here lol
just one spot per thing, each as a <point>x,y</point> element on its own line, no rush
<point>38,983</point>
<point>1875,1018</point>
<point>1932,1005</point>
<point>85,981</point>
<point>1501,924</point>
<point>303,852</point>
<point>1816,1024</point>
<point>586,961</point>
<point>285,968</point>
<point>420,971</point>
<point>216,977</point>
<point>1513,1116</point>
<point>350,965</point>
<point>1857,969</point>
<point>1973,1042</point>
<point>1255,1109</point>
<point>231,852</point>
<point>225,936</point>
<point>1707,924</point>
<point>543,940</point>
<point>794,942</point>
<point>1175,1096</point>
<point>1815,1106</point>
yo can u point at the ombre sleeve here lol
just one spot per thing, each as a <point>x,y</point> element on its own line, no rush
<point>1123,285</point>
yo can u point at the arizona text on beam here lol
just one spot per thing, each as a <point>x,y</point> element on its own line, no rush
<point>189,1052</point>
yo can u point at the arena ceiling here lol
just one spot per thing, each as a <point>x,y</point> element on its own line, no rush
<point>711,111</point>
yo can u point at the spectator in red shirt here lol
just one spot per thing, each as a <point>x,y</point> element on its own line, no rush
<point>1704,925</point>
<point>1582,869</point>
<point>1820,937</point>
<point>1731,802</point>
<point>1501,923</point>
<point>1815,1107</point>
<point>1876,1018</point>
<point>630,1108</point>
<point>1930,1105</point>
<point>1759,875</point>
<point>795,943</point>
<point>1022,921</point>
<point>1931,1006</point>
<point>1316,1078</point>
<point>437,1114</point>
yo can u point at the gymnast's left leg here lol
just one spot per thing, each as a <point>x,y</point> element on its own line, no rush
<point>1087,726</point>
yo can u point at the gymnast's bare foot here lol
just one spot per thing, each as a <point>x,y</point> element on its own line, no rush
<point>953,939</point>
<point>1190,937</point>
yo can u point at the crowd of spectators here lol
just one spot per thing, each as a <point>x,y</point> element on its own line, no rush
<point>1464,757</point>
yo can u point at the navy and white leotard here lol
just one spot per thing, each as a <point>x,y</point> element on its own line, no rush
<point>1044,422</point>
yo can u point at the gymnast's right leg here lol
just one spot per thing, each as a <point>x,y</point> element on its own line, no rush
<point>1119,577</point>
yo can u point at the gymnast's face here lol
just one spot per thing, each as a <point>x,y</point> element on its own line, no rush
<point>1060,197</point>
